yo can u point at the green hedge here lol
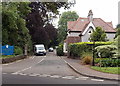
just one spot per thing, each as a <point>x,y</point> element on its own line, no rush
<point>60,50</point>
<point>76,49</point>
<point>107,62</point>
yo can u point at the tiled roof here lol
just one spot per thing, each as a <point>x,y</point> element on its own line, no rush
<point>82,23</point>
<point>72,39</point>
<point>107,27</point>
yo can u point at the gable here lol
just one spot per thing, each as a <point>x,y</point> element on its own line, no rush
<point>88,27</point>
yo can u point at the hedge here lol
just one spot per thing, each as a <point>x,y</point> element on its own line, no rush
<point>76,49</point>
<point>60,50</point>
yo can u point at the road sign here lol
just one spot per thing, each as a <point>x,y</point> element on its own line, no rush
<point>7,50</point>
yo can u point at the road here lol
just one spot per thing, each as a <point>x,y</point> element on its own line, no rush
<point>49,69</point>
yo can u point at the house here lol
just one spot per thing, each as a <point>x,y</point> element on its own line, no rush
<point>80,30</point>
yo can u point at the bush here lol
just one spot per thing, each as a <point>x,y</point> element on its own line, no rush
<point>87,60</point>
<point>76,49</point>
<point>60,50</point>
<point>108,62</point>
<point>18,50</point>
<point>106,51</point>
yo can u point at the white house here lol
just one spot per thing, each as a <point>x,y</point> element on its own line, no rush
<point>80,30</point>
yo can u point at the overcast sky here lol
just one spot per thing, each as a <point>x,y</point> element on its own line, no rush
<point>105,9</point>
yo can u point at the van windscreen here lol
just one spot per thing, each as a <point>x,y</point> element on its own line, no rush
<point>40,48</point>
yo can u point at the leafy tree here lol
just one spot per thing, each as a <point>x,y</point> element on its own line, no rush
<point>118,26</point>
<point>37,21</point>
<point>118,32</point>
<point>62,24</point>
<point>14,31</point>
<point>98,35</point>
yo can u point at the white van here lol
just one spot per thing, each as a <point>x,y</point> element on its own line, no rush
<point>40,49</point>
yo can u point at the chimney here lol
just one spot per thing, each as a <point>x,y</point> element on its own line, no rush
<point>90,15</point>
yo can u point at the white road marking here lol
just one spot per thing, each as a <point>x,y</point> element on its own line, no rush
<point>34,74</point>
<point>68,77</point>
<point>40,60</point>
<point>33,57</point>
<point>97,80</point>
<point>22,74</point>
<point>55,76</point>
<point>26,68</point>
<point>4,73</point>
<point>44,75</point>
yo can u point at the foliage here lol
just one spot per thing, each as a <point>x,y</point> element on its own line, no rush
<point>77,49</point>
<point>87,60</point>
<point>39,21</point>
<point>112,70</point>
<point>60,50</point>
<point>118,32</point>
<point>107,62</point>
<point>118,26</point>
<point>14,28</point>
<point>106,51</point>
<point>98,35</point>
<point>84,54</point>
<point>62,24</point>
<point>18,50</point>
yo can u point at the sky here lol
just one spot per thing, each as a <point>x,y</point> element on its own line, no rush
<point>105,9</point>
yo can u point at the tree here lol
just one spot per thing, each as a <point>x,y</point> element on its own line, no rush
<point>62,24</point>
<point>118,32</point>
<point>98,35</point>
<point>41,14</point>
<point>14,31</point>
<point>118,26</point>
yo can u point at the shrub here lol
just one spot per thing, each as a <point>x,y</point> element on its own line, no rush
<point>106,51</point>
<point>60,50</point>
<point>87,60</point>
<point>108,62</point>
<point>76,49</point>
<point>18,50</point>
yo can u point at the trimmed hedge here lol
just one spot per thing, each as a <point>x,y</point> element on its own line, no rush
<point>107,62</point>
<point>76,49</point>
<point>60,50</point>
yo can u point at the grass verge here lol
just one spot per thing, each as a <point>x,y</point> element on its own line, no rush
<point>7,56</point>
<point>112,70</point>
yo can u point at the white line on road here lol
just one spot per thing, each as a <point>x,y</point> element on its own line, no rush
<point>33,57</point>
<point>55,76</point>
<point>34,74</point>
<point>68,77</point>
<point>26,68</point>
<point>97,80</point>
<point>4,73</point>
<point>44,75</point>
<point>81,79</point>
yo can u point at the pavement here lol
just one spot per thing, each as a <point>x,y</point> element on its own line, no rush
<point>87,71</point>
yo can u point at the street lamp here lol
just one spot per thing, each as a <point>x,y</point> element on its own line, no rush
<point>93,63</point>
<point>93,51</point>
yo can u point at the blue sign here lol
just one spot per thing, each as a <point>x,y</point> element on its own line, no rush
<point>7,50</point>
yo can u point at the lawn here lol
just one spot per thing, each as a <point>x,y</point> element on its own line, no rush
<point>112,70</point>
<point>7,56</point>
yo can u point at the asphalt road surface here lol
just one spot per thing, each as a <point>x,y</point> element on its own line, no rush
<point>49,69</point>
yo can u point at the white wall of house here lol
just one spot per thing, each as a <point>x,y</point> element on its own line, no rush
<point>65,47</point>
<point>110,36</point>
<point>74,34</point>
<point>86,36</point>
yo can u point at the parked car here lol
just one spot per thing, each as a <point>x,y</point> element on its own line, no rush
<point>51,49</point>
<point>40,49</point>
